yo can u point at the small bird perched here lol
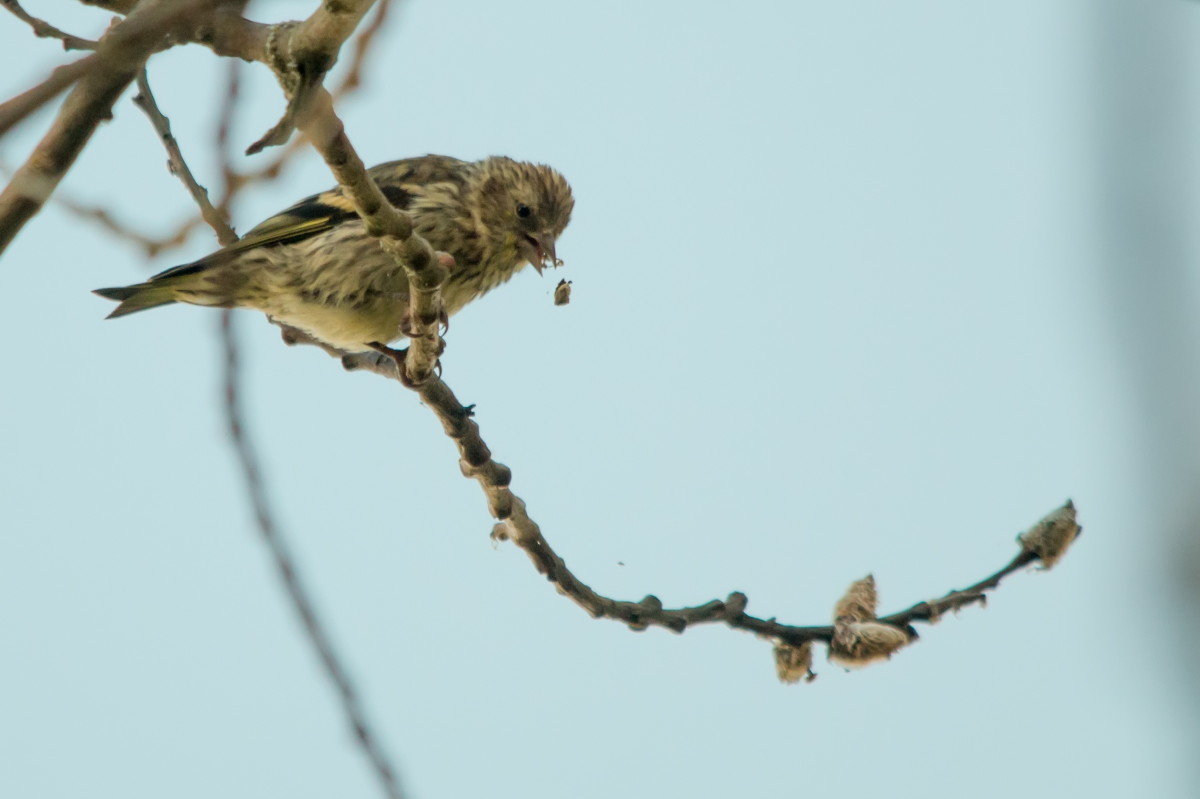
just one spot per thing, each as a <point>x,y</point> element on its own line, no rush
<point>314,266</point>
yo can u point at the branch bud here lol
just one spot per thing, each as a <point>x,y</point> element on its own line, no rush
<point>794,662</point>
<point>860,643</point>
<point>859,602</point>
<point>1050,538</point>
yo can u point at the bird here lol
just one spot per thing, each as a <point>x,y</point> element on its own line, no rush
<point>314,267</point>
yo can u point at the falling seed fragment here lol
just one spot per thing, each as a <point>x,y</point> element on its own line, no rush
<point>562,292</point>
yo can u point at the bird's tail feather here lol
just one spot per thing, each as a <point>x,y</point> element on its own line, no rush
<point>162,289</point>
<point>138,297</point>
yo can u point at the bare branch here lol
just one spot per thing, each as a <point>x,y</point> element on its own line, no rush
<point>231,184</point>
<point>150,245</point>
<point>227,33</point>
<point>393,227</point>
<point>268,529</point>
<point>352,708</point>
<point>162,126</point>
<point>516,525</point>
<point>100,215</point>
<point>236,181</point>
<point>116,6</point>
<point>101,77</point>
<point>27,102</point>
<point>149,22</point>
<point>317,40</point>
<point>475,461</point>
<point>45,30</point>
<point>121,54</point>
<point>301,54</point>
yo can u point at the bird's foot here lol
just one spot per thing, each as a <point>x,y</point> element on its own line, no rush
<point>406,327</point>
<point>398,357</point>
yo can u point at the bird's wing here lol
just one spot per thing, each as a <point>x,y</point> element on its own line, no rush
<point>330,208</point>
<point>306,218</point>
<point>327,210</point>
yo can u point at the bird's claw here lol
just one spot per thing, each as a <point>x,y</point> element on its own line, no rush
<point>400,358</point>
<point>406,327</point>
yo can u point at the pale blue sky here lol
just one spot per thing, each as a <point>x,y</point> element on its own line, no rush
<point>850,296</point>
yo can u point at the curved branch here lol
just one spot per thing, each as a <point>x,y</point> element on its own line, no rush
<point>475,461</point>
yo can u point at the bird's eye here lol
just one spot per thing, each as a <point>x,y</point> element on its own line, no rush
<point>523,210</point>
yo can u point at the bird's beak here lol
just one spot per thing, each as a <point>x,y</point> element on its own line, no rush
<point>540,251</point>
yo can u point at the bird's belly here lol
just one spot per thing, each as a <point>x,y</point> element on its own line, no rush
<point>347,327</point>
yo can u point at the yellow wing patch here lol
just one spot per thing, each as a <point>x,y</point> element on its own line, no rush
<point>308,217</point>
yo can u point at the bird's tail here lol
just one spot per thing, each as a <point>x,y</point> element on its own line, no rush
<point>162,289</point>
<point>138,297</point>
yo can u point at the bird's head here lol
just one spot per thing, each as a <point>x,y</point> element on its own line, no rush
<point>521,209</point>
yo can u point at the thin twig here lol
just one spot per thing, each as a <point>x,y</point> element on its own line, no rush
<point>178,166</point>
<point>45,30</point>
<point>268,529</point>
<point>364,736</point>
<point>149,245</point>
<point>99,79</point>
<point>223,133</point>
<point>20,107</point>
<point>515,525</point>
